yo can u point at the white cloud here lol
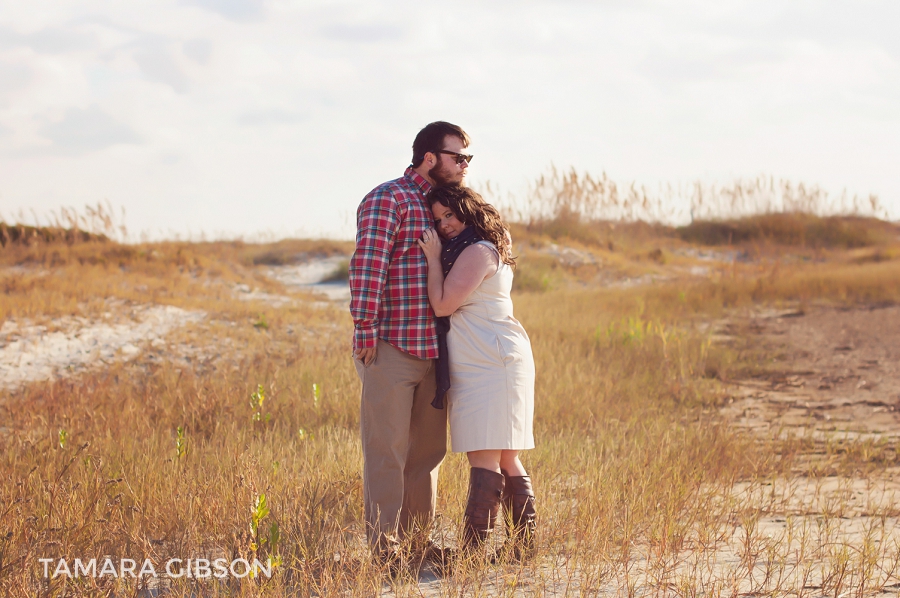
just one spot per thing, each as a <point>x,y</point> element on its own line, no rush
<point>362,33</point>
<point>198,50</point>
<point>87,130</point>
<point>50,40</point>
<point>157,64</point>
<point>237,10</point>
<point>271,117</point>
<point>14,75</point>
<point>706,62</point>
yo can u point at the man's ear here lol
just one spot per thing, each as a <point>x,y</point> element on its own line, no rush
<point>430,159</point>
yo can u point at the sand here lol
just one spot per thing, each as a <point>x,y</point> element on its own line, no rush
<point>32,352</point>
<point>837,373</point>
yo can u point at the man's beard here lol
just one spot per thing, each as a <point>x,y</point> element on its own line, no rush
<point>441,177</point>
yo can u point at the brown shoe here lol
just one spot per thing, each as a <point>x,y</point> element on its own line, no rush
<point>485,493</point>
<point>519,513</point>
<point>390,559</point>
<point>439,557</point>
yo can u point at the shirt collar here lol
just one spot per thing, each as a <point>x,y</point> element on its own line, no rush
<point>418,180</point>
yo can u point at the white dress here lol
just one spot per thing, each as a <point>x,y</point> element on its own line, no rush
<point>491,397</point>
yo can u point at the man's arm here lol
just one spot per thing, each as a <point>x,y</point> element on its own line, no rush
<point>377,224</point>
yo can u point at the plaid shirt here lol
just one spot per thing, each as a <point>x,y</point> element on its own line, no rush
<point>388,271</point>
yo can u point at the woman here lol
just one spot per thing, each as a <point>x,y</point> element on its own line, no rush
<point>491,396</point>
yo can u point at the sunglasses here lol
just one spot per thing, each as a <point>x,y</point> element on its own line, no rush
<point>458,158</point>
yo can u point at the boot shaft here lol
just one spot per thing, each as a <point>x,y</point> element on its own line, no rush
<point>483,504</point>
<point>519,513</point>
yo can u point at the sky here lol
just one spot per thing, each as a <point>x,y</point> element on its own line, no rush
<point>275,117</point>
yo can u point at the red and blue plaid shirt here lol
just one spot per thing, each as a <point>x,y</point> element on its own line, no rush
<point>388,271</point>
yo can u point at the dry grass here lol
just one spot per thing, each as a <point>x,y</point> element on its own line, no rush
<point>62,279</point>
<point>572,196</point>
<point>793,230</point>
<point>643,489</point>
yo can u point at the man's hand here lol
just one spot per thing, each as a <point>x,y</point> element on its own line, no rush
<point>366,356</point>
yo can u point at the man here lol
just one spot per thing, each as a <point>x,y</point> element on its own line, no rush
<point>404,438</point>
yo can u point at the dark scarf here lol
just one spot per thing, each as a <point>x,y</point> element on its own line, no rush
<point>449,254</point>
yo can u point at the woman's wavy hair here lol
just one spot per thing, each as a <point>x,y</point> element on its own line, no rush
<point>472,210</point>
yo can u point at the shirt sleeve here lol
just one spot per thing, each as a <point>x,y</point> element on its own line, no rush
<point>377,223</point>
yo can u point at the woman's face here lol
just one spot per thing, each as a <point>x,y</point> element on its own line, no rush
<point>445,221</point>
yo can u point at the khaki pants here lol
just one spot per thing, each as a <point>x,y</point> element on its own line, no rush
<point>404,440</point>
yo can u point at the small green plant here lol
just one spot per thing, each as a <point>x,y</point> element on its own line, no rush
<point>534,277</point>
<point>257,399</point>
<point>267,544</point>
<point>261,323</point>
<point>632,329</point>
<point>258,512</point>
<point>317,394</point>
<point>273,539</point>
<point>63,437</point>
<point>180,443</point>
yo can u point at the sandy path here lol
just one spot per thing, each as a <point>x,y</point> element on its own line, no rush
<point>839,373</point>
<point>30,352</point>
<point>309,276</point>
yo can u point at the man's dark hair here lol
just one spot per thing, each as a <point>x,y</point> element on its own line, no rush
<point>431,139</point>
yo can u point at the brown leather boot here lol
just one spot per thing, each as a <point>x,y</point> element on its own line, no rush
<point>519,513</point>
<point>485,492</point>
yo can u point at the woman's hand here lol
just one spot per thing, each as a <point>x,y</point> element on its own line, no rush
<point>431,245</point>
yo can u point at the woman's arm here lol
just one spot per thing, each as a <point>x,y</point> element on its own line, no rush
<point>472,266</point>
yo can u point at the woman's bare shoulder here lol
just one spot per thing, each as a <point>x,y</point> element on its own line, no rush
<point>482,255</point>
<point>483,248</point>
